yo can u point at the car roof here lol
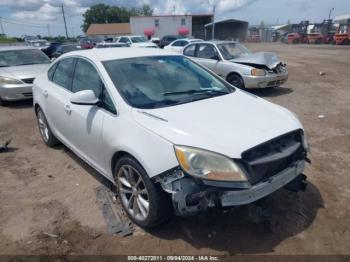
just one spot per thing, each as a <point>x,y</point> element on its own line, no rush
<point>16,47</point>
<point>103,54</point>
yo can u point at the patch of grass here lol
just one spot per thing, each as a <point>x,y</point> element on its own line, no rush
<point>6,40</point>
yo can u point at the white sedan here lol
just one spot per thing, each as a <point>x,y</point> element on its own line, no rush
<point>179,44</point>
<point>170,134</point>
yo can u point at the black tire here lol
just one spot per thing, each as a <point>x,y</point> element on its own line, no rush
<point>160,205</point>
<point>236,80</point>
<point>48,137</point>
<point>3,102</point>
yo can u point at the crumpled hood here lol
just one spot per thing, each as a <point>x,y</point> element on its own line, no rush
<point>228,124</point>
<point>25,71</point>
<point>261,58</point>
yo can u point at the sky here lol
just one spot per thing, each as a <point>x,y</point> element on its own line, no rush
<point>44,17</point>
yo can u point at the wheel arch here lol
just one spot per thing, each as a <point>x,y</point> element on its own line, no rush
<point>233,73</point>
<point>118,155</point>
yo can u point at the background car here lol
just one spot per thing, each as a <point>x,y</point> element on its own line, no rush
<point>238,65</point>
<point>110,45</point>
<point>62,49</point>
<point>136,41</point>
<point>129,113</point>
<point>178,45</point>
<point>86,43</point>
<point>52,48</point>
<point>39,43</point>
<point>19,65</point>
<point>167,39</point>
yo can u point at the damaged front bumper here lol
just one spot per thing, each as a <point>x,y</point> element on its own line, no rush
<point>270,80</point>
<point>191,195</point>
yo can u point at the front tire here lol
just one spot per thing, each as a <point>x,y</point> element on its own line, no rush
<point>3,102</point>
<point>145,203</point>
<point>236,81</point>
<point>44,128</point>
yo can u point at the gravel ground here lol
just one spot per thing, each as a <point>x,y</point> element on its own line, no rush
<point>48,203</point>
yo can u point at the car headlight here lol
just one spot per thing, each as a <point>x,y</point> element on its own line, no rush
<point>258,72</point>
<point>208,165</point>
<point>9,81</point>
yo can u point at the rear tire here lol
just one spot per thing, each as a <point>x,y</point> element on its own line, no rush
<point>236,81</point>
<point>145,202</point>
<point>44,129</point>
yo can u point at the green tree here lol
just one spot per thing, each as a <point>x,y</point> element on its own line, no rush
<point>105,14</point>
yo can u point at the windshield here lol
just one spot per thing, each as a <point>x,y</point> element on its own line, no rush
<point>233,50</point>
<point>138,39</point>
<point>22,57</point>
<point>160,81</point>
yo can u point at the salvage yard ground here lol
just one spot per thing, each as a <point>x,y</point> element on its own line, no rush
<point>48,202</point>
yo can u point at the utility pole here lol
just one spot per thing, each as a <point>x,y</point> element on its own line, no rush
<point>2,28</point>
<point>48,30</point>
<point>330,13</point>
<point>213,29</point>
<point>64,19</point>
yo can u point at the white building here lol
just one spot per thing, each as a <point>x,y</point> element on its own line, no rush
<point>161,25</point>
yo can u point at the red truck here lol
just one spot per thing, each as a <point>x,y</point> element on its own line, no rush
<point>298,33</point>
<point>321,33</point>
<point>342,37</point>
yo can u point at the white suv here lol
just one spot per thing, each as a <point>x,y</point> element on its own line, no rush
<point>170,134</point>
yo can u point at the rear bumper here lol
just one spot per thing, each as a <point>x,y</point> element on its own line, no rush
<point>16,93</point>
<point>270,80</point>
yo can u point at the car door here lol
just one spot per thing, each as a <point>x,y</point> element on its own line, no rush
<point>207,55</point>
<point>87,120</point>
<point>57,96</point>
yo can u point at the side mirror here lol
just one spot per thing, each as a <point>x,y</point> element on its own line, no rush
<point>85,97</point>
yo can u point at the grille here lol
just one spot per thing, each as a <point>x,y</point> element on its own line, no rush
<point>272,157</point>
<point>28,80</point>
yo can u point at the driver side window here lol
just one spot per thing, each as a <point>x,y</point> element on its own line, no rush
<point>86,77</point>
<point>206,51</point>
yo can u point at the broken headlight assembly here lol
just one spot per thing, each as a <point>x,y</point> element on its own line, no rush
<point>9,81</point>
<point>208,165</point>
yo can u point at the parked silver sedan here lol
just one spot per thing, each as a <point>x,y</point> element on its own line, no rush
<point>19,65</point>
<point>238,65</point>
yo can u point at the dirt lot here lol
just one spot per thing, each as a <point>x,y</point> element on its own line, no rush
<point>44,190</point>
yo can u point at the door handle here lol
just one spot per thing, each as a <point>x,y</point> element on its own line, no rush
<point>67,109</point>
<point>45,93</point>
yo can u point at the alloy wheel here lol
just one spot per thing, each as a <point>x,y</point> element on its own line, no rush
<point>44,130</point>
<point>133,192</point>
